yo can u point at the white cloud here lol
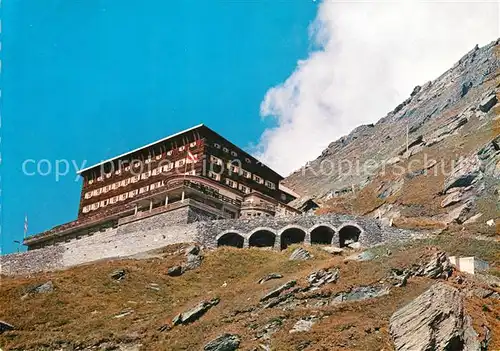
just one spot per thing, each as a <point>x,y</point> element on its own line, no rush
<point>370,56</point>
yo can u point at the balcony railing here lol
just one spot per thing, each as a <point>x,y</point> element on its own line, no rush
<point>258,206</point>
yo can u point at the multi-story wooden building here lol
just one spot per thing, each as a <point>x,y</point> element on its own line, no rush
<point>196,167</point>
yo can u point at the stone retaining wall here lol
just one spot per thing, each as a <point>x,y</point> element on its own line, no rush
<point>171,228</point>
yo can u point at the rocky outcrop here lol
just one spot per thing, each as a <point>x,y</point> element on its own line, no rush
<point>300,254</point>
<point>322,277</point>
<point>435,320</point>
<point>270,277</point>
<point>195,313</point>
<point>4,326</point>
<point>276,292</point>
<point>488,102</point>
<point>225,342</point>
<point>361,293</point>
<point>118,274</point>
<point>439,266</point>
<point>303,325</point>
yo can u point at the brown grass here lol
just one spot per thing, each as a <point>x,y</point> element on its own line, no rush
<point>80,311</point>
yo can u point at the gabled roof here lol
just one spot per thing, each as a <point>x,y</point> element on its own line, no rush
<point>139,148</point>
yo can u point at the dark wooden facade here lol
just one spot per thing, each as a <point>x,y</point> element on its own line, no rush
<point>112,183</point>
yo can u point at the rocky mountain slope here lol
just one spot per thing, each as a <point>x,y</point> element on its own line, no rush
<point>447,172</point>
<point>396,297</point>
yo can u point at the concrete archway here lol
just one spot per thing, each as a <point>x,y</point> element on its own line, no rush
<point>292,235</point>
<point>349,234</point>
<point>322,235</point>
<point>262,238</point>
<point>231,239</point>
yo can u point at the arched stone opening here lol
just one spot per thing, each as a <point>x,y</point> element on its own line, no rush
<point>262,238</point>
<point>322,235</point>
<point>292,236</point>
<point>348,235</point>
<point>231,239</point>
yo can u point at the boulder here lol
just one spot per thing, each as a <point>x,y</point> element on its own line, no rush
<point>361,293</point>
<point>459,214</point>
<point>488,102</point>
<point>435,320</point>
<point>118,274</point>
<point>276,292</point>
<point>195,313</point>
<point>354,245</point>
<point>45,288</point>
<point>4,326</point>
<point>322,277</point>
<point>452,199</point>
<point>473,219</point>
<point>192,250</point>
<point>225,342</point>
<point>193,262</point>
<point>302,325</point>
<point>464,173</point>
<point>439,266</point>
<point>300,254</point>
<point>175,271</point>
<point>269,277</point>
<point>362,256</point>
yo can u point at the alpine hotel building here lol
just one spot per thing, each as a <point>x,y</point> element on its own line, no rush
<point>196,170</point>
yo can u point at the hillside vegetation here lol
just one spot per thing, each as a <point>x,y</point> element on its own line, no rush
<point>88,309</point>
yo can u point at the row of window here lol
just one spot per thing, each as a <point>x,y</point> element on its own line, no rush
<point>231,152</point>
<point>136,178</point>
<point>122,197</point>
<point>137,163</point>
<point>242,172</point>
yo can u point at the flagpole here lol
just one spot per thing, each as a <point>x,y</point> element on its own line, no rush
<point>25,226</point>
<point>185,170</point>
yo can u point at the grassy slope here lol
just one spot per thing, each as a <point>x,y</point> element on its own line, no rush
<point>80,311</point>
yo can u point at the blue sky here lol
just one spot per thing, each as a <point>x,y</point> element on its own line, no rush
<point>89,79</point>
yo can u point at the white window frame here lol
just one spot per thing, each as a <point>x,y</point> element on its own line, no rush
<point>231,183</point>
<point>104,203</point>
<point>144,189</point>
<point>146,175</point>
<point>258,179</point>
<point>270,184</point>
<point>214,176</point>
<point>216,160</point>
<point>156,171</point>
<point>86,209</point>
<point>133,193</point>
<point>246,174</point>
<point>170,152</point>
<point>135,179</point>
<point>217,145</point>
<point>245,189</point>
<point>123,197</point>
<point>168,167</point>
<point>88,194</point>
<point>193,144</point>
